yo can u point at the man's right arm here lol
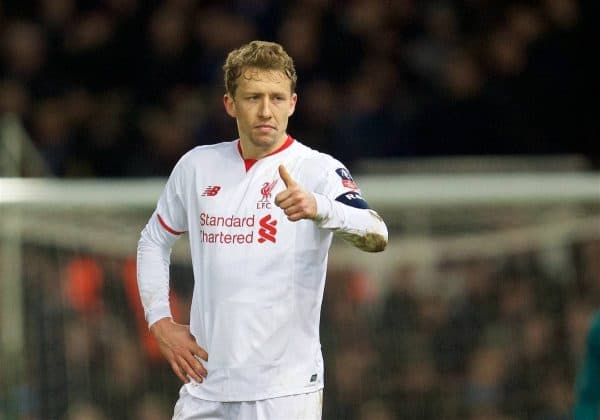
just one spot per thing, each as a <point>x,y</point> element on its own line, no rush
<point>153,260</point>
<point>175,340</point>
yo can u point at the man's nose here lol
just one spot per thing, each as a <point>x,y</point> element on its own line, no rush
<point>265,108</point>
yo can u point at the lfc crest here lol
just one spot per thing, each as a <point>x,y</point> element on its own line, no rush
<point>266,192</point>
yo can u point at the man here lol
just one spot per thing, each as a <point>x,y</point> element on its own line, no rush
<point>260,213</point>
<point>587,391</point>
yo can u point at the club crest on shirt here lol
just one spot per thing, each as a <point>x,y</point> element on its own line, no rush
<point>347,180</point>
<point>266,192</point>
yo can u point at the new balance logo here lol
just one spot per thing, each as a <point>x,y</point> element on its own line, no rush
<point>211,191</point>
<point>267,229</point>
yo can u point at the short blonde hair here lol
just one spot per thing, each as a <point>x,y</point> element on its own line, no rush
<point>259,54</point>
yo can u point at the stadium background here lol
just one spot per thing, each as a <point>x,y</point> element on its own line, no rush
<point>119,89</point>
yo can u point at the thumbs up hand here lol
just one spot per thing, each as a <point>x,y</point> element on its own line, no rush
<point>296,202</point>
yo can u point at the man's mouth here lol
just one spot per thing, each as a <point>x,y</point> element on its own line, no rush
<point>264,127</point>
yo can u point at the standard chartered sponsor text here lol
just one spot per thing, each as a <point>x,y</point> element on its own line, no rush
<point>232,221</point>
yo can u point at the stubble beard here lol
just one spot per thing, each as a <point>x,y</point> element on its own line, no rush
<point>266,142</point>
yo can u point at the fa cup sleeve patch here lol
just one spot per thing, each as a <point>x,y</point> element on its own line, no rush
<point>347,180</point>
<point>353,199</point>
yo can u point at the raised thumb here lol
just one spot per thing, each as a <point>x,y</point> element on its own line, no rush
<point>286,177</point>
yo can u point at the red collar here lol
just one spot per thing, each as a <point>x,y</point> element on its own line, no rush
<point>249,162</point>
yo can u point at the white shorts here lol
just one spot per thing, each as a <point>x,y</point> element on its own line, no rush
<point>293,407</point>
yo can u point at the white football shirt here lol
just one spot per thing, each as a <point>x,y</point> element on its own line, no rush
<point>259,278</point>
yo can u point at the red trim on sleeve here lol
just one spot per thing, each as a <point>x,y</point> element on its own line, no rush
<point>248,163</point>
<point>167,227</point>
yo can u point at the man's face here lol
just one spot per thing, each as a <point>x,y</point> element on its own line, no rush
<point>262,105</point>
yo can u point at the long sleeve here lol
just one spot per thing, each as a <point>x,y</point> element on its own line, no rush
<point>153,261</point>
<point>362,227</point>
<point>340,205</point>
<point>167,224</point>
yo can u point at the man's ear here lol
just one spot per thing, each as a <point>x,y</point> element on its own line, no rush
<point>229,104</point>
<point>293,101</point>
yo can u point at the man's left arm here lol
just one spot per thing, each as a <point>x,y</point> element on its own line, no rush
<point>348,215</point>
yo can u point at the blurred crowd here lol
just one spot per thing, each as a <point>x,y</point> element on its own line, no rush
<point>476,338</point>
<point>125,87</point>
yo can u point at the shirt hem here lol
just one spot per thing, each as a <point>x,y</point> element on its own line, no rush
<point>197,393</point>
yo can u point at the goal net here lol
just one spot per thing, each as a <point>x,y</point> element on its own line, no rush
<point>478,308</point>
